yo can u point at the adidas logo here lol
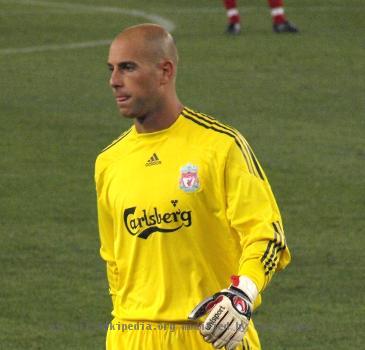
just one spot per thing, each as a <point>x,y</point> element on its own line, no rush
<point>153,160</point>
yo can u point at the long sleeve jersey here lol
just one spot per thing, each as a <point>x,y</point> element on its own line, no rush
<point>180,211</point>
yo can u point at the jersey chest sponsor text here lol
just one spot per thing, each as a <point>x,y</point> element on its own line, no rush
<point>146,223</point>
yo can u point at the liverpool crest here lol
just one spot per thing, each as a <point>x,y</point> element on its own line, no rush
<point>189,181</point>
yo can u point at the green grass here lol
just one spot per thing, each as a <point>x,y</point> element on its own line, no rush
<point>299,100</point>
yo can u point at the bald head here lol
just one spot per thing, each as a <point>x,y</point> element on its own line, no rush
<point>152,40</point>
<point>143,63</point>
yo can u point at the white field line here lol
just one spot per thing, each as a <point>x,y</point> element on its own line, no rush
<point>55,47</point>
<point>23,12</point>
<point>169,25</point>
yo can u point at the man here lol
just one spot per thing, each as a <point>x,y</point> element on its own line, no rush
<point>279,22</point>
<point>183,204</point>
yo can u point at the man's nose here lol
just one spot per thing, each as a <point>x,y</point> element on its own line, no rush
<point>116,78</point>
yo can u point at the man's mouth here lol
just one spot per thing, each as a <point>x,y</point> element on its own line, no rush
<point>122,99</point>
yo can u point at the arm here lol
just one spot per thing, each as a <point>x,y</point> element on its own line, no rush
<point>106,234</point>
<point>253,213</point>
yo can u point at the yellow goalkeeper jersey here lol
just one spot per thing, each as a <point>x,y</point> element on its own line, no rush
<point>180,211</point>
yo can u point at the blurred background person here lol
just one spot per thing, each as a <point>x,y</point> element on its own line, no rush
<point>280,23</point>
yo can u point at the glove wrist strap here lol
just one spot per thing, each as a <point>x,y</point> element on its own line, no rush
<point>245,285</point>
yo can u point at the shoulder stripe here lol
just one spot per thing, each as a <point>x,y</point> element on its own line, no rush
<point>234,133</point>
<point>243,141</point>
<point>209,126</point>
<point>121,137</point>
<point>249,156</point>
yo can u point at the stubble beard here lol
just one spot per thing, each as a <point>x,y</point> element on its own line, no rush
<point>133,111</point>
<point>141,110</point>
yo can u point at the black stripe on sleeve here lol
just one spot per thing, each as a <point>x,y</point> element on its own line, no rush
<point>275,246</point>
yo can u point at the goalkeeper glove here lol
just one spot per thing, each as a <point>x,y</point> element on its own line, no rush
<point>229,314</point>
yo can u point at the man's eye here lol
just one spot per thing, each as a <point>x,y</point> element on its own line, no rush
<point>128,67</point>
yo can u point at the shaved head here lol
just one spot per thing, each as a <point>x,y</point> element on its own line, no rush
<point>153,41</point>
<point>143,64</point>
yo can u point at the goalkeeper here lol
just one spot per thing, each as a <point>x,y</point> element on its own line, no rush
<point>189,227</point>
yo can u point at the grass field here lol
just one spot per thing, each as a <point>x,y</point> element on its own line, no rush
<point>299,100</point>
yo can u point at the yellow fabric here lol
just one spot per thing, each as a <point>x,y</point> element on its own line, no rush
<point>171,237</point>
<point>145,335</point>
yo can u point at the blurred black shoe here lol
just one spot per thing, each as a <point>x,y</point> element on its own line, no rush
<point>285,27</point>
<point>233,28</point>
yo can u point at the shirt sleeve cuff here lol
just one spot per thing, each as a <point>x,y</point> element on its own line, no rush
<point>254,270</point>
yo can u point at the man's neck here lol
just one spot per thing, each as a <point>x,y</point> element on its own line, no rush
<point>159,119</point>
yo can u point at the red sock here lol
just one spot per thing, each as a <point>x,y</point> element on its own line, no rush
<point>232,11</point>
<point>277,11</point>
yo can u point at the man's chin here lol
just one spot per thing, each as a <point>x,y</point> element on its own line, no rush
<point>126,114</point>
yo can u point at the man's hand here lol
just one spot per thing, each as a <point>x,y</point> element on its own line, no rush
<point>229,314</point>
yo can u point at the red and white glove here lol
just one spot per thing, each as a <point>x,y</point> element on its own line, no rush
<point>229,312</point>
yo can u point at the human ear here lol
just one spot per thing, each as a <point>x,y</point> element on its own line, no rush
<point>167,70</point>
